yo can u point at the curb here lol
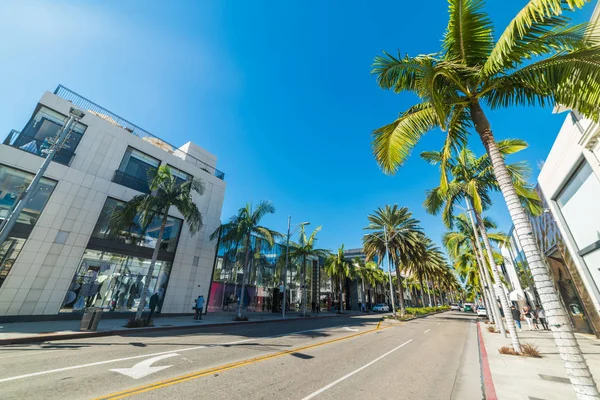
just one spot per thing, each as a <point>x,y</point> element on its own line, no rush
<point>130,331</point>
<point>489,391</point>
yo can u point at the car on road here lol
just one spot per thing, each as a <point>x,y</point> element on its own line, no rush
<point>381,308</point>
<point>468,307</point>
<point>481,312</point>
<point>454,307</point>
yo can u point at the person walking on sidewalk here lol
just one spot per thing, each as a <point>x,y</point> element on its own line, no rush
<point>528,317</point>
<point>516,316</point>
<point>153,303</point>
<point>541,314</point>
<point>199,307</point>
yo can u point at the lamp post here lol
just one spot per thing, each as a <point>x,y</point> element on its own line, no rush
<point>11,219</point>
<point>287,258</point>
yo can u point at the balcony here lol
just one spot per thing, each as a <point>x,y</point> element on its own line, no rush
<point>131,181</point>
<point>38,147</point>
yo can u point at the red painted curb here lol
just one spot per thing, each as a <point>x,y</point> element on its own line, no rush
<point>489,391</point>
<point>131,331</point>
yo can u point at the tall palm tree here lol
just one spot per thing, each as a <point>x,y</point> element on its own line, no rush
<point>427,262</point>
<point>539,59</point>
<point>239,231</point>
<point>165,193</point>
<point>301,251</point>
<point>338,269</point>
<point>395,226</point>
<point>473,180</point>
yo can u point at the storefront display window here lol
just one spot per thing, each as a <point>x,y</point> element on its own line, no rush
<point>115,282</point>
<point>13,182</point>
<point>9,251</point>
<point>136,234</point>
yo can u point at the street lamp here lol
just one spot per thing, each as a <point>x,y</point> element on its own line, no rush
<point>386,241</point>
<point>287,258</point>
<point>11,219</point>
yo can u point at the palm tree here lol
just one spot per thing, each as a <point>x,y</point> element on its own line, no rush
<point>473,180</point>
<point>338,269</point>
<point>538,59</point>
<point>165,193</point>
<point>303,249</point>
<point>394,231</point>
<point>427,262</point>
<point>240,229</point>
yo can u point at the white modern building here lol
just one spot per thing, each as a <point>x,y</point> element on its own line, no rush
<point>61,256</point>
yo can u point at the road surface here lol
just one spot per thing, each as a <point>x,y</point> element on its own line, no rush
<point>348,357</point>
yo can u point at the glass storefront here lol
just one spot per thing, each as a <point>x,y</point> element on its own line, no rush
<point>115,282</point>
<point>13,182</point>
<point>9,251</point>
<point>135,234</point>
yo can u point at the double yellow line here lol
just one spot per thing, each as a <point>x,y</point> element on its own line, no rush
<point>225,367</point>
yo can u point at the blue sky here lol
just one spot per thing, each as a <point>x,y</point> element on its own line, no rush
<point>281,92</point>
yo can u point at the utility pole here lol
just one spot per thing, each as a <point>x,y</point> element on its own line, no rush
<point>287,259</point>
<point>11,219</point>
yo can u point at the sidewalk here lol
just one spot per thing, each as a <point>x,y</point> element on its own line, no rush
<point>31,332</point>
<point>525,378</point>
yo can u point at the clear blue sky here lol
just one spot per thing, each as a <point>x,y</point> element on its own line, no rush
<point>280,91</point>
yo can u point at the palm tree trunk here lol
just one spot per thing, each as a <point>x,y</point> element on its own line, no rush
<point>486,274</point>
<point>401,290</point>
<point>362,283</point>
<point>429,293</point>
<point>142,303</point>
<point>421,290</point>
<point>558,320</point>
<point>244,268</point>
<point>304,286</point>
<point>510,322</point>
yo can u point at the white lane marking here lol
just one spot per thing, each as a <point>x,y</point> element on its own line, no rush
<point>29,353</point>
<point>52,371</point>
<point>343,378</point>
<point>427,330</point>
<point>145,367</point>
<point>347,328</point>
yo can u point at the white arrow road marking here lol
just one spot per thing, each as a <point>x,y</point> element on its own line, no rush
<point>145,367</point>
<point>347,328</point>
<point>427,330</point>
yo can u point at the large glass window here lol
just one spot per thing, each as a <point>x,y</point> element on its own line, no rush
<point>135,233</point>
<point>13,182</point>
<point>180,176</point>
<point>136,169</point>
<point>9,251</point>
<point>41,132</point>
<point>115,282</point>
<point>578,203</point>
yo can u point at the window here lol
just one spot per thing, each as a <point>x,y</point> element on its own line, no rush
<point>41,132</point>
<point>9,251</point>
<point>136,234</point>
<point>180,176</point>
<point>13,182</point>
<point>136,169</point>
<point>115,282</point>
<point>578,202</point>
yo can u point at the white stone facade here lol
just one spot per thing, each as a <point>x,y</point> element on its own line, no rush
<point>44,270</point>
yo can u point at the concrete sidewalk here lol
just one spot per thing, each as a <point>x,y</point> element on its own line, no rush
<point>525,378</point>
<point>31,332</point>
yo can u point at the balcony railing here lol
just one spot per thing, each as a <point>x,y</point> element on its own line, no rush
<point>38,147</point>
<point>114,119</point>
<point>131,181</point>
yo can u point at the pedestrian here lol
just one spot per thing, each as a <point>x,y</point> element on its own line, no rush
<point>541,314</point>
<point>312,306</point>
<point>528,317</point>
<point>534,318</point>
<point>516,316</point>
<point>199,307</point>
<point>154,299</point>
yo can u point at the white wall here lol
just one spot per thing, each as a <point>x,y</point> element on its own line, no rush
<point>39,280</point>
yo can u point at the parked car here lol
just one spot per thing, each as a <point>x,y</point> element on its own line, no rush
<point>454,307</point>
<point>468,307</point>
<point>381,308</point>
<point>481,312</point>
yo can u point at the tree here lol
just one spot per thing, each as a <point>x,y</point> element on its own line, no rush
<point>240,229</point>
<point>338,269</point>
<point>539,59</point>
<point>303,249</point>
<point>165,193</point>
<point>428,261</point>
<point>395,227</point>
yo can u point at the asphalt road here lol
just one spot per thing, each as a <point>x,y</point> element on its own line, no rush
<point>336,358</point>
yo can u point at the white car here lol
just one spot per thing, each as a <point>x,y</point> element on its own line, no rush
<point>454,307</point>
<point>381,308</point>
<point>481,312</point>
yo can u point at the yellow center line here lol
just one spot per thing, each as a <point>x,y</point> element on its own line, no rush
<point>225,367</point>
